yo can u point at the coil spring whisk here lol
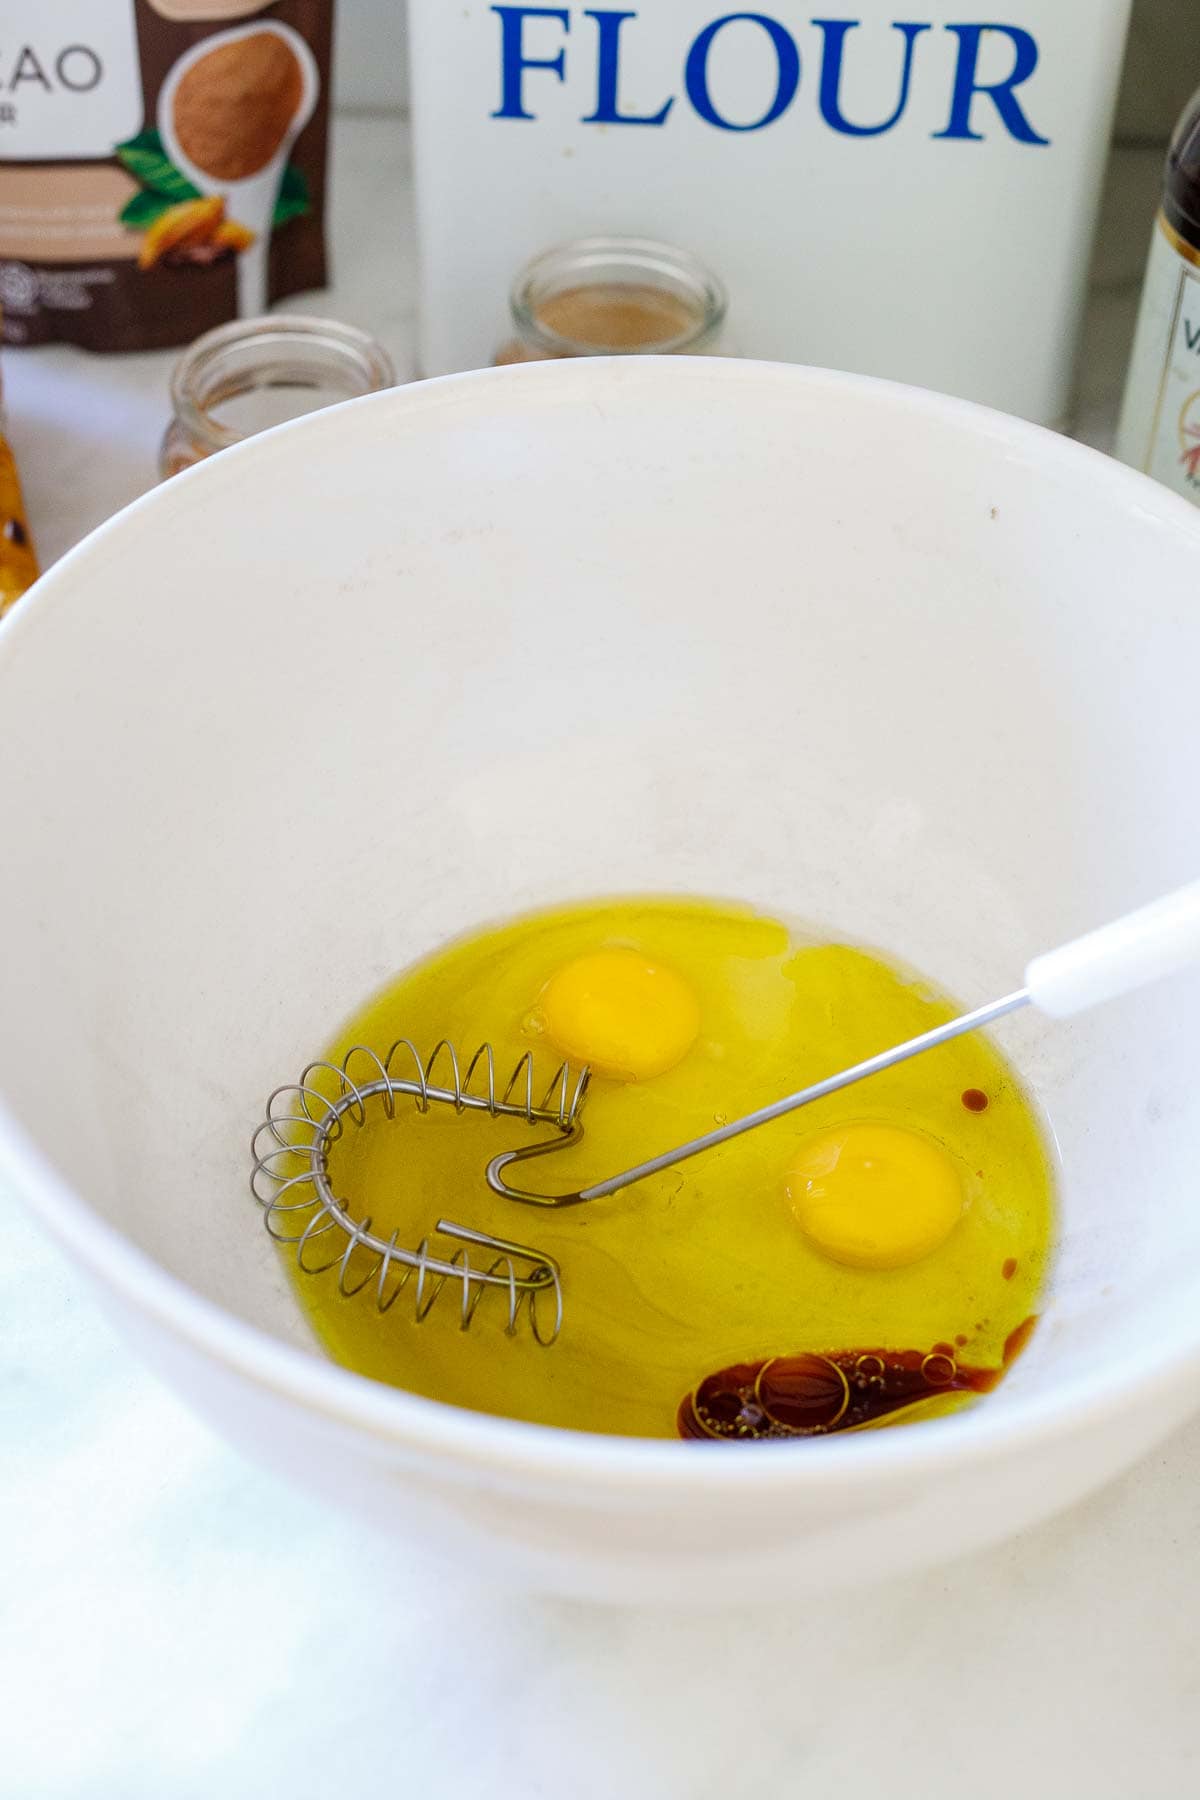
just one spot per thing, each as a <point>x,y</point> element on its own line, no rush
<point>290,1180</point>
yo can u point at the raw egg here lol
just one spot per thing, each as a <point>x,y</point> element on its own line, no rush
<point>875,1196</point>
<point>620,1014</point>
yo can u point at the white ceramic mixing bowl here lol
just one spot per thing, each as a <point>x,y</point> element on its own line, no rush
<point>913,671</point>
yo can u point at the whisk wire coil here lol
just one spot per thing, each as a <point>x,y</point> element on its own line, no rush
<point>291,1181</point>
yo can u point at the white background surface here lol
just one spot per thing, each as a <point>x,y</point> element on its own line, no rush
<point>179,1627</point>
<point>174,1625</point>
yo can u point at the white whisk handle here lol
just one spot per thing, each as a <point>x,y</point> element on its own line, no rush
<point>1160,939</point>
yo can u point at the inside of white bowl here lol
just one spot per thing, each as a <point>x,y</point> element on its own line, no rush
<point>871,660</point>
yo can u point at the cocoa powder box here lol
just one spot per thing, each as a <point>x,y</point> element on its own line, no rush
<point>162,165</point>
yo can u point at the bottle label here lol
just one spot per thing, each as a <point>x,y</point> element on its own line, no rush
<point>1160,421</point>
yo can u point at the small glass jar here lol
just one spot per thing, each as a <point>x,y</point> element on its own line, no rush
<point>245,377</point>
<point>612,296</point>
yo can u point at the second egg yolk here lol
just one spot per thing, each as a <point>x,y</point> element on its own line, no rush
<point>620,1013</point>
<point>874,1196</point>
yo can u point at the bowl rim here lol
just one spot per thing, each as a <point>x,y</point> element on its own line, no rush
<point>477,1443</point>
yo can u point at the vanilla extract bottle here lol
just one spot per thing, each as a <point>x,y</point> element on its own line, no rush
<point>1159,431</point>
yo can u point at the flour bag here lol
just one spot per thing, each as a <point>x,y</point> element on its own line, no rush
<point>901,191</point>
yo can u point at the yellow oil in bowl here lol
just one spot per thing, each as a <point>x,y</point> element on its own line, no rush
<point>913,1213</point>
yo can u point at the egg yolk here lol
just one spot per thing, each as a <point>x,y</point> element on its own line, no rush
<point>618,1012</point>
<point>874,1196</point>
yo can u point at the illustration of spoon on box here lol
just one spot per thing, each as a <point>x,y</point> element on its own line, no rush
<point>229,113</point>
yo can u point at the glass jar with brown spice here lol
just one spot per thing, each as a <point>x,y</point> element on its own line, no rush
<point>613,296</point>
<point>243,378</point>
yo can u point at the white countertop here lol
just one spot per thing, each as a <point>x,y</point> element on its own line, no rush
<point>176,1625</point>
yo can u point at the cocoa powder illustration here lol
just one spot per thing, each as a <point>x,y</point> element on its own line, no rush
<point>233,107</point>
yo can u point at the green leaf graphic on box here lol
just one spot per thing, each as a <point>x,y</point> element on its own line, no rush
<point>164,186</point>
<point>146,159</point>
<point>294,201</point>
<point>140,211</point>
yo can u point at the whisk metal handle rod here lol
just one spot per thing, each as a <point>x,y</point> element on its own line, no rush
<point>819,1090</point>
<point>832,1084</point>
<point>1156,941</point>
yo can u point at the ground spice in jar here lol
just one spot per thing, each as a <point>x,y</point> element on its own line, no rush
<point>234,106</point>
<point>610,317</point>
<point>613,297</point>
<point>246,377</point>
